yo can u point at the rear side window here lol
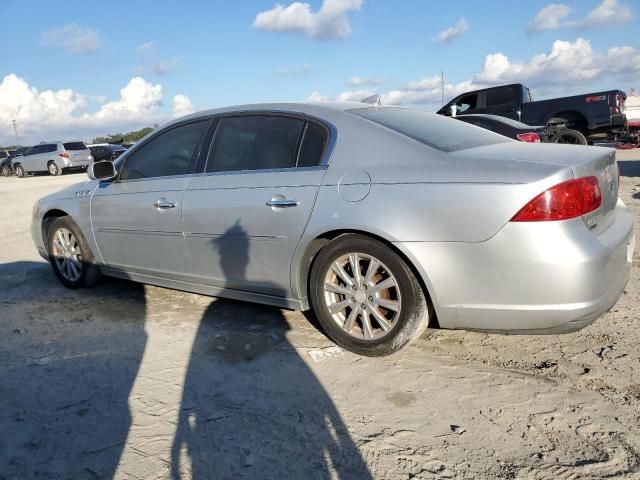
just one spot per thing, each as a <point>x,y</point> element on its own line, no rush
<point>48,148</point>
<point>74,146</point>
<point>169,153</point>
<point>446,134</point>
<point>255,142</point>
<point>499,96</point>
<point>313,145</point>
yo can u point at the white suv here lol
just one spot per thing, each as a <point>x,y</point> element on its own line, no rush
<point>52,157</point>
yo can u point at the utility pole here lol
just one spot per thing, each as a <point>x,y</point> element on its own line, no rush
<point>15,130</point>
<point>442,85</point>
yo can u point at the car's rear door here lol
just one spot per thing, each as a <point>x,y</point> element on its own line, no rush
<point>30,159</point>
<point>244,215</point>
<point>137,219</point>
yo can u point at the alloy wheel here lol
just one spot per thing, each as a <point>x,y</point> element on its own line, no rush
<point>362,296</point>
<point>53,168</point>
<point>67,255</point>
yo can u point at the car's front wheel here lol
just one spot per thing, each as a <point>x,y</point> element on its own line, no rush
<point>70,255</point>
<point>366,297</point>
<point>20,173</point>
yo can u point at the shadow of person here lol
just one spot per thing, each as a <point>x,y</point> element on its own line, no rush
<point>68,361</point>
<point>251,406</point>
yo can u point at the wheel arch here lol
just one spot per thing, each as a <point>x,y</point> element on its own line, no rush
<point>316,244</point>
<point>47,220</point>
<point>575,119</point>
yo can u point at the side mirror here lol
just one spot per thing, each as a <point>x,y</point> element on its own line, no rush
<point>103,170</point>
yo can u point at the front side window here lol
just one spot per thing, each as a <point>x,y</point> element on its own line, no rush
<point>255,142</point>
<point>33,150</point>
<point>3,154</point>
<point>468,102</point>
<point>168,153</point>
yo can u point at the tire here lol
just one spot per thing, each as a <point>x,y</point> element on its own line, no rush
<point>19,169</point>
<point>573,137</point>
<point>74,270</point>
<point>5,171</point>
<point>408,312</point>
<point>54,169</point>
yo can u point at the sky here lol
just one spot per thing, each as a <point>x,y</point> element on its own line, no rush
<point>77,69</point>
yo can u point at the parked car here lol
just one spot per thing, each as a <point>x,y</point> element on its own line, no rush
<point>381,219</point>
<point>106,152</point>
<point>577,119</point>
<point>5,162</point>
<point>53,157</point>
<point>507,127</point>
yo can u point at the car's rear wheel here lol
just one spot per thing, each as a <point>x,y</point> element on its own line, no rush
<point>366,297</point>
<point>19,169</point>
<point>70,255</point>
<point>5,171</point>
<point>54,169</point>
<point>572,137</point>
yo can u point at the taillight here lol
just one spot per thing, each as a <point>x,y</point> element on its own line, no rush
<point>617,103</point>
<point>64,155</point>
<point>530,137</point>
<point>569,199</point>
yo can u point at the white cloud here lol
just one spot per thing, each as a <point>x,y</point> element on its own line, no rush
<point>303,70</point>
<point>451,33</point>
<point>167,65</point>
<point>331,21</point>
<point>138,99</point>
<point>568,63</point>
<point>72,38</point>
<point>153,61</point>
<point>63,113</point>
<point>565,66</point>
<point>357,81</point>
<point>182,105</point>
<point>606,14</point>
<point>146,47</point>
<point>549,17</point>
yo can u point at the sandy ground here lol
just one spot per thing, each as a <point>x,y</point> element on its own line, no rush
<point>131,381</point>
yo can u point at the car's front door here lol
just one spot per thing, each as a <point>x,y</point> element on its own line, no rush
<point>244,215</point>
<point>137,219</point>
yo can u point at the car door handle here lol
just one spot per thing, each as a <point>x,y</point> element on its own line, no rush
<point>164,204</point>
<point>282,203</point>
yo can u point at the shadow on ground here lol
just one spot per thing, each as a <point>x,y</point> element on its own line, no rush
<point>69,360</point>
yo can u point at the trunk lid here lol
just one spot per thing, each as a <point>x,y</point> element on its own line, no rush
<point>583,161</point>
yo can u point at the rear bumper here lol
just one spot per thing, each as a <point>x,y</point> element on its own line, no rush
<point>540,277</point>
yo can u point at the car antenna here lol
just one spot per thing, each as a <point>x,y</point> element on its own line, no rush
<point>373,99</point>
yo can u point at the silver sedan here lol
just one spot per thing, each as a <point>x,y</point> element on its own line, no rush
<point>383,220</point>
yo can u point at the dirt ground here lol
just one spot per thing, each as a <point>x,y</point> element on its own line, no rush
<point>130,381</point>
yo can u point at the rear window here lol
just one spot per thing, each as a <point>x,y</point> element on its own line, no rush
<point>437,131</point>
<point>499,96</point>
<point>75,146</point>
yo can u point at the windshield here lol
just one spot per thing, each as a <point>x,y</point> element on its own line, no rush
<point>434,130</point>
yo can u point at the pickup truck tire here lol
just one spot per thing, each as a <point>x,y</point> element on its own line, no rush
<point>5,171</point>
<point>573,137</point>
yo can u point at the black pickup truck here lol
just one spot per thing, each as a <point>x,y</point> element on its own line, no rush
<point>593,117</point>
